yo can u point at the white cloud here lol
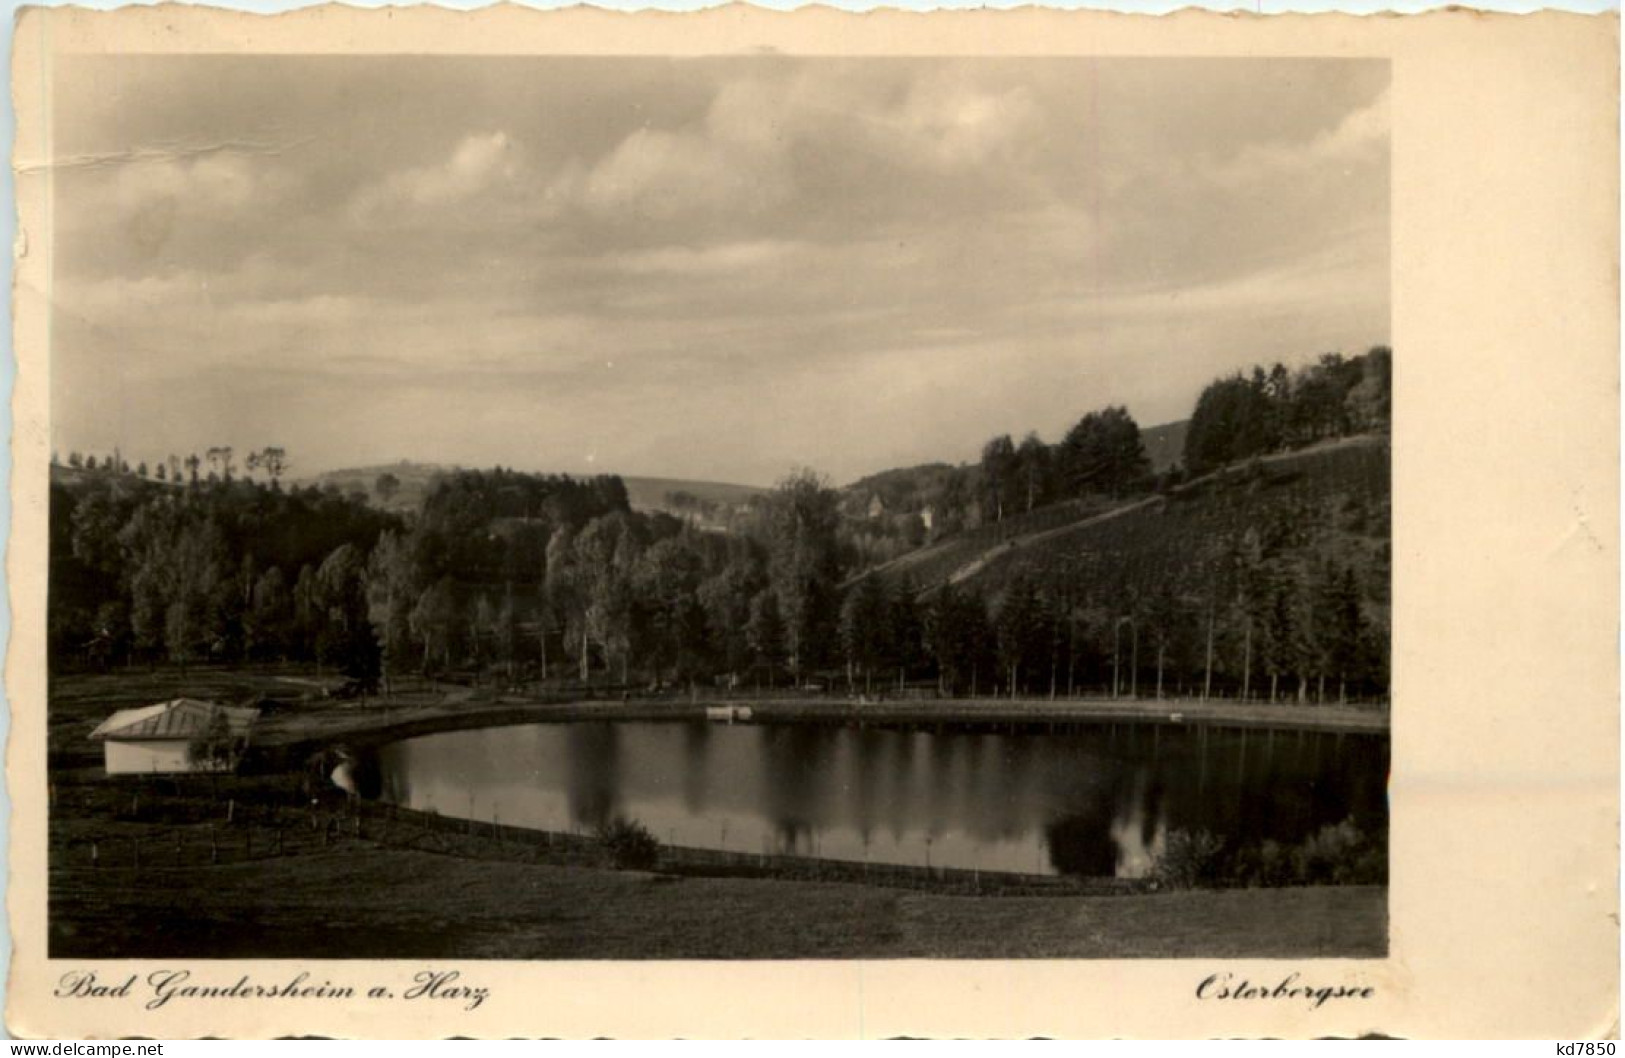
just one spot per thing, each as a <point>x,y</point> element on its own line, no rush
<point>954,124</point>
<point>734,160</point>
<point>1360,138</point>
<point>481,164</point>
<point>205,182</point>
<point>721,259</point>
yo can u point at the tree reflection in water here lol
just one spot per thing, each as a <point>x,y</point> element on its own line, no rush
<point>1077,803</point>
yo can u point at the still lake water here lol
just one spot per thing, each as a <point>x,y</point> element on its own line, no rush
<point>1098,803</point>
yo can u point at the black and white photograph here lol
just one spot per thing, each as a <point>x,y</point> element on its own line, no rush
<point>764,507</point>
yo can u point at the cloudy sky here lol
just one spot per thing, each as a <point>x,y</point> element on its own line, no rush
<point>716,268</point>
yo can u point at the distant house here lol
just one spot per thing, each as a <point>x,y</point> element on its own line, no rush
<point>178,736</point>
<point>877,506</point>
<point>928,514</point>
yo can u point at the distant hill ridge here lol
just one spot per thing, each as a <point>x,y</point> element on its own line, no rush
<point>415,480</point>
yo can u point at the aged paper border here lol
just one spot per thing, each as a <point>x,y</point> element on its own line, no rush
<point>1505,745</point>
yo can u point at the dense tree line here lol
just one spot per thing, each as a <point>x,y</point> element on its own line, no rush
<point>1101,455</point>
<point>1252,584</point>
<point>1262,618</point>
<point>1270,584</point>
<point>271,461</point>
<point>210,570</point>
<point>1242,416</point>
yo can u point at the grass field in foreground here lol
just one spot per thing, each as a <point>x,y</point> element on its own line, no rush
<point>384,903</point>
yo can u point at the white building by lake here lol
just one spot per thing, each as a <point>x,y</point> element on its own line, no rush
<point>165,738</point>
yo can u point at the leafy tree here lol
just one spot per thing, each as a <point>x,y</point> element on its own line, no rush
<point>190,576</point>
<point>765,630</point>
<point>566,593</point>
<point>1103,453</point>
<point>666,578</point>
<point>726,599</point>
<point>957,634</point>
<point>1340,632</point>
<point>606,553</point>
<point>1231,422</point>
<point>273,460</point>
<point>391,594</point>
<point>1022,630</point>
<point>386,487</point>
<point>269,623</point>
<point>804,565</point>
<point>1000,482</point>
<point>906,628</point>
<point>220,461</point>
<point>346,638</point>
<point>435,620</point>
<point>1369,402</point>
<point>865,628</point>
<point>215,747</point>
<point>1034,471</point>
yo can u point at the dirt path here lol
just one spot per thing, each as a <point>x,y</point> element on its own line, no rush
<point>1016,544</point>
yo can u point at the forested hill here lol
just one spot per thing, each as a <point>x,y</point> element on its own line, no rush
<point>1329,503</point>
<point>400,487</point>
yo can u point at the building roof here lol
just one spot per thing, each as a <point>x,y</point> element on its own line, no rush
<point>183,718</point>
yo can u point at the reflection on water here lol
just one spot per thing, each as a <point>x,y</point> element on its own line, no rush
<point>1094,804</point>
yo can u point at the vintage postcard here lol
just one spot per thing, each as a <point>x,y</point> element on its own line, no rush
<point>752,524</point>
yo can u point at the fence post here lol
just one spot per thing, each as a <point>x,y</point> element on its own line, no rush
<point>177,848</point>
<point>231,809</point>
<point>214,845</point>
<point>95,855</point>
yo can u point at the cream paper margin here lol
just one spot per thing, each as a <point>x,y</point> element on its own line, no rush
<point>1505,784</point>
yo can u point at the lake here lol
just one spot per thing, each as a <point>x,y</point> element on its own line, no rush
<point>1096,803</point>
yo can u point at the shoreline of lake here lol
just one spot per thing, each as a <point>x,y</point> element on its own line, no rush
<point>382,721</point>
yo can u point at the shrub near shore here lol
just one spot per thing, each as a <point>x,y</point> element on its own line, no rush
<point>1338,854</point>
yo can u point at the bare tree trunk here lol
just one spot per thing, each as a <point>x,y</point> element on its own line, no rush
<point>1247,666</point>
<point>1116,650</point>
<point>1134,663</point>
<point>1207,683</point>
<point>1071,656</point>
